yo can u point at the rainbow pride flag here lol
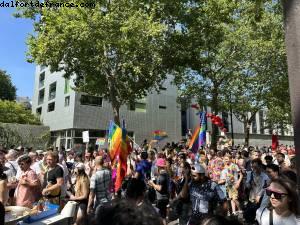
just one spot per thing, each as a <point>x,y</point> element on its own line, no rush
<point>114,140</point>
<point>203,124</point>
<point>125,150</point>
<point>159,135</point>
<point>199,136</point>
<point>194,142</point>
<point>119,149</point>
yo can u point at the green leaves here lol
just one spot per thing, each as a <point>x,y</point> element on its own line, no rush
<point>118,42</point>
<point>12,112</point>
<point>7,89</point>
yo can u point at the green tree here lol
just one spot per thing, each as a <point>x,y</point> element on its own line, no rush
<point>113,50</point>
<point>12,112</point>
<point>261,80</point>
<point>232,52</point>
<point>204,53</point>
<point>7,89</point>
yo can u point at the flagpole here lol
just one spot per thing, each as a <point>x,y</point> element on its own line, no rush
<point>133,141</point>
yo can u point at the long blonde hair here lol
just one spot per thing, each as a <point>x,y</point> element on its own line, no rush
<point>82,179</point>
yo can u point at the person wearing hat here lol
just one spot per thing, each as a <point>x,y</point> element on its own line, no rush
<point>20,150</point>
<point>161,187</point>
<point>204,194</point>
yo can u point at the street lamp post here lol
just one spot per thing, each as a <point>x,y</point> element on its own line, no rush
<point>231,122</point>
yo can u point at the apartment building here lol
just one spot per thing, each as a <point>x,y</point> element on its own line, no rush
<point>68,113</point>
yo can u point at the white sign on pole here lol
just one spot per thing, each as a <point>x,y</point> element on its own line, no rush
<point>85,136</point>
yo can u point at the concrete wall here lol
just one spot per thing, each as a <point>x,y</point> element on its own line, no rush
<point>141,123</point>
<point>262,140</point>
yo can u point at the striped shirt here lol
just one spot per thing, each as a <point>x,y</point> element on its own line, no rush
<point>100,184</point>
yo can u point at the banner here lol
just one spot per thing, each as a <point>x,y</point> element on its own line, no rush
<point>100,141</point>
<point>85,136</point>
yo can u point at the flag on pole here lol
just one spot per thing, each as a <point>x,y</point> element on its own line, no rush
<point>114,140</point>
<point>125,150</point>
<point>121,148</point>
<point>199,136</point>
<point>159,135</point>
<point>203,128</point>
<point>194,142</point>
<point>275,142</point>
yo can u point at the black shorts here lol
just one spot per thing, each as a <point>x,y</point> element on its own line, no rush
<point>161,204</point>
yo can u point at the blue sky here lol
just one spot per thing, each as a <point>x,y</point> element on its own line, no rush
<point>13,33</point>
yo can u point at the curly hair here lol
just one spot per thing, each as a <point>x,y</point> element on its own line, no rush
<point>25,158</point>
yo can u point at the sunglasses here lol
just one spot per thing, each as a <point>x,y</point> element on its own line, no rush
<point>277,195</point>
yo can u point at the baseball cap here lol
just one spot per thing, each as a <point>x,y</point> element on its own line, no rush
<point>198,169</point>
<point>80,166</point>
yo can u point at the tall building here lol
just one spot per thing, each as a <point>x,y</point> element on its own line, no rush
<point>69,113</point>
<point>25,101</point>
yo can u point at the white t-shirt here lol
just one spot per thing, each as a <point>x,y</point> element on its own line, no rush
<point>263,218</point>
<point>13,166</point>
<point>36,167</point>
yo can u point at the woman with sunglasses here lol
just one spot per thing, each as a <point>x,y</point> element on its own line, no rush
<point>28,190</point>
<point>284,204</point>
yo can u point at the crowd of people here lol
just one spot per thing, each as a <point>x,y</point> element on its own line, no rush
<point>235,185</point>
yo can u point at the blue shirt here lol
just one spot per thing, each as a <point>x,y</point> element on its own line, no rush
<point>144,169</point>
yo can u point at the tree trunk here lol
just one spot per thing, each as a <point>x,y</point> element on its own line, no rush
<point>292,42</point>
<point>247,132</point>
<point>114,100</point>
<point>215,110</point>
<point>116,111</point>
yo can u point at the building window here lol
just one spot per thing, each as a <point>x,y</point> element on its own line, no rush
<point>261,122</point>
<point>67,101</point>
<point>131,106</point>
<point>42,79</point>
<point>67,86</point>
<point>39,111</point>
<point>137,107</point>
<point>52,91</point>
<point>91,100</point>
<point>41,96</point>
<point>163,88</point>
<point>162,107</point>
<point>254,126</point>
<point>140,107</point>
<point>51,106</point>
<point>42,67</point>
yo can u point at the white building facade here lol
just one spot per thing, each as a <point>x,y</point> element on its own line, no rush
<point>68,113</point>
